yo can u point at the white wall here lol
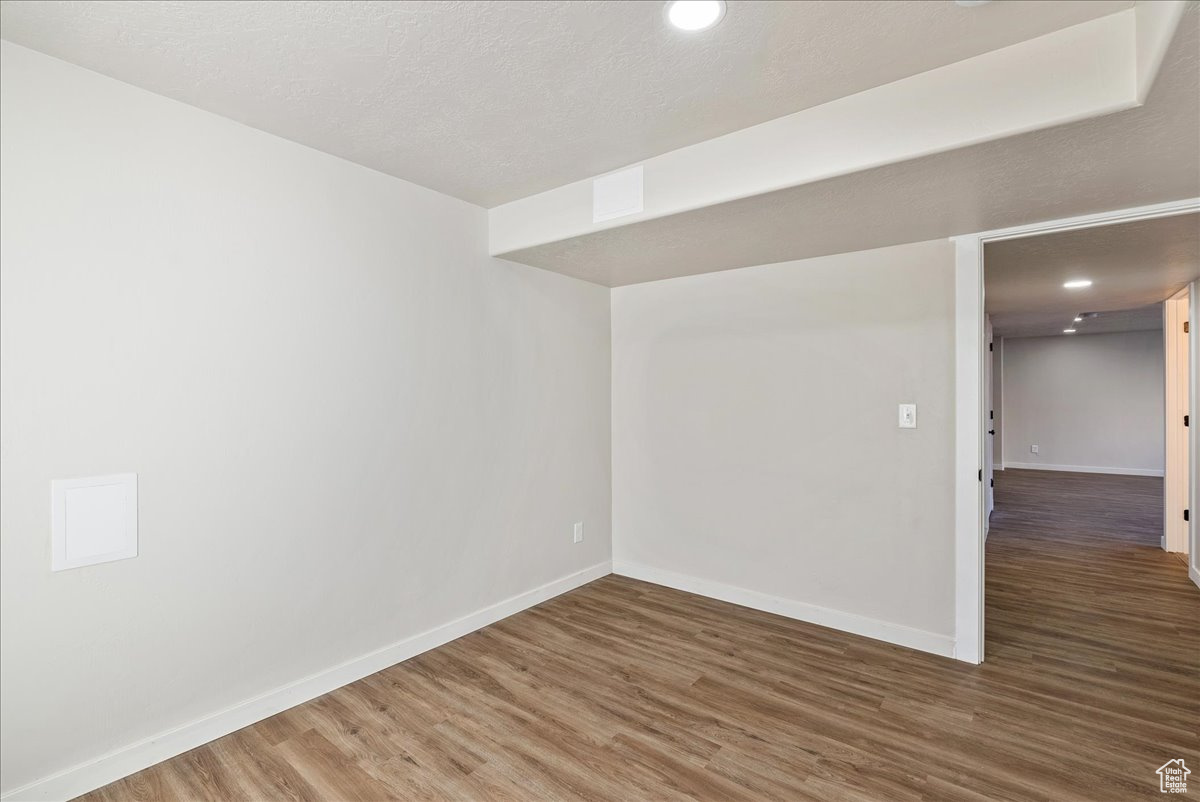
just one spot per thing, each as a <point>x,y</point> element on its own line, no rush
<point>755,439</point>
<point>1091,401</point>
<point>350,425</point>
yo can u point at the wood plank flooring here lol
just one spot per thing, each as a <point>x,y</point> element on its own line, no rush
<point>623,690</point>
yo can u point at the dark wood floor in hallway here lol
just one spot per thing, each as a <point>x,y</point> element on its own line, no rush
<point>623,690</point>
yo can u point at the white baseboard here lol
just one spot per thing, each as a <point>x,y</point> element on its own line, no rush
<point>834,619</point>
<point>1037,466</point>
<point>997,466</point>
<point>88,776</point>
<point>1194,574</point>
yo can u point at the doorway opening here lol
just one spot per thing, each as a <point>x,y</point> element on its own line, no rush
<point>1072,366</point>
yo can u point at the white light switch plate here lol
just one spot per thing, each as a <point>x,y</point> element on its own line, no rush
<point>578,534</point>
<point>92,520</point>
<point>908,416</point>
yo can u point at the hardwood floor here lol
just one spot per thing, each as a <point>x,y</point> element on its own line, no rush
<point>623,690</point>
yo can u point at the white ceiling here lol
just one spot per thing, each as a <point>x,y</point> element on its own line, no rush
<point>1149,154</point>
<point>1134,267</point>
<point>493,101</point>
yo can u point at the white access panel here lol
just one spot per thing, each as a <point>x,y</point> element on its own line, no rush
<point>92,520</point>
<point>617,194</point>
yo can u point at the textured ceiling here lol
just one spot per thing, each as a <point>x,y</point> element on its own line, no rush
<point>1132,265</point>
<point>492,101</point>
<point>1142,318</point>
<point>1149,154</point>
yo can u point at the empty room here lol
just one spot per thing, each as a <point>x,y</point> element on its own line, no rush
<point>1087,482</point>
<point>562,400</point>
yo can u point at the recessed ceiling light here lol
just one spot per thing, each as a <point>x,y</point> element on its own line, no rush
<point>695,15</point>
<point>1078,284</point>
<point>1077,320</point>
<point>1068,331</point>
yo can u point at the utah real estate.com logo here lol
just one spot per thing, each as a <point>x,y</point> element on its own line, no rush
<point>1172,777</point>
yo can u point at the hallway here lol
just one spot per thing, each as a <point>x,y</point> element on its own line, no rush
<point>1103,625</point>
